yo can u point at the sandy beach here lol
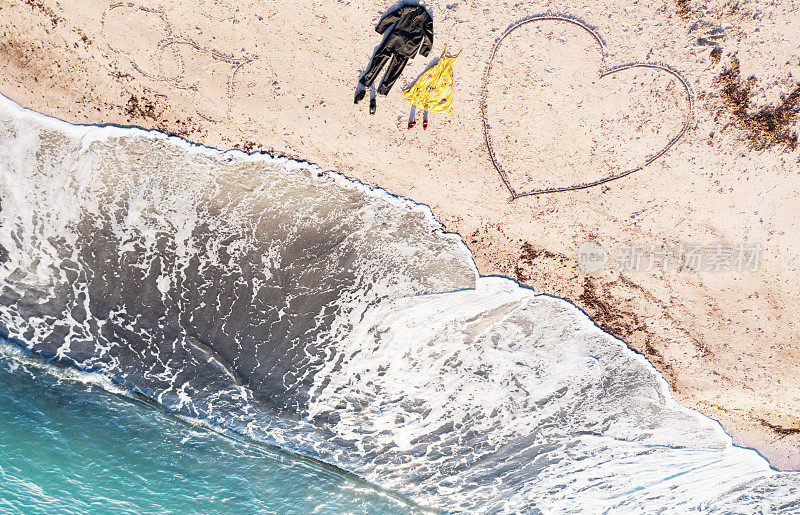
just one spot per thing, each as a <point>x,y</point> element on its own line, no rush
<point>279,77</point>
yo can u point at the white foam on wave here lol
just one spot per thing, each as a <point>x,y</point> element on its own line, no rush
<point>88,134</point>
<point>555,413</point>
<point>16,359</point>
<point>487,398</point>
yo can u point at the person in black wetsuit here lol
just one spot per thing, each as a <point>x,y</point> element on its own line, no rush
<point>412,32</point>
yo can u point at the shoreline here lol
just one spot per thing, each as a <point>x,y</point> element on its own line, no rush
<point>117,130</point>
<point>691,327</point>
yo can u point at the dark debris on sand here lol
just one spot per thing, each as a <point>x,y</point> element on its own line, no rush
<point>768,126</point>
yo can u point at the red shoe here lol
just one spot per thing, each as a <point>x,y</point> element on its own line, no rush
<point>425,125</point>
<point>412,124</point>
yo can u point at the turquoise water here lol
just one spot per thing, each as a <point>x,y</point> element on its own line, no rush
<point>73,447</point>
<point>313,314</point>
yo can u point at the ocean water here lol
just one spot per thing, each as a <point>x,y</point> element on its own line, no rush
<point>72,443</point>
<point>289,307</point>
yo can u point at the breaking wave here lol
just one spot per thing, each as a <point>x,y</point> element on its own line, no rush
<point>300,309</point>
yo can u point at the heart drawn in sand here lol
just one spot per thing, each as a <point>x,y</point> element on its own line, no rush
<point>556,119</point>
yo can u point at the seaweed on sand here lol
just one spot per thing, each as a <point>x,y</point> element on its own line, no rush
<point>768,126</point>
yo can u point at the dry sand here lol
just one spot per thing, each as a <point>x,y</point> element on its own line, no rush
<point>279,76</point>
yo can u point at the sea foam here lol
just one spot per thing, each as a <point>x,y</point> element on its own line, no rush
<point>271,298</point>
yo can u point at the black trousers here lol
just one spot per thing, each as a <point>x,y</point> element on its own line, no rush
<point>382,56</point>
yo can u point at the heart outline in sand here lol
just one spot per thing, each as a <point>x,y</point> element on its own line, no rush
<point>604,72</point>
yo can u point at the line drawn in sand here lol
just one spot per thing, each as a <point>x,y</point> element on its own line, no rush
<point>170,59</point>
<point>604,71</point>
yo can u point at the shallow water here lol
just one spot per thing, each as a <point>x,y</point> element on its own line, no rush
<point>295,308</point>
<point>68,445</point>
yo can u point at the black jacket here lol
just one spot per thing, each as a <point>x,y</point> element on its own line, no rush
<point>413,30</point>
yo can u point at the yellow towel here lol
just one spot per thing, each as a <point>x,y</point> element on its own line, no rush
<point>434,89</point>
